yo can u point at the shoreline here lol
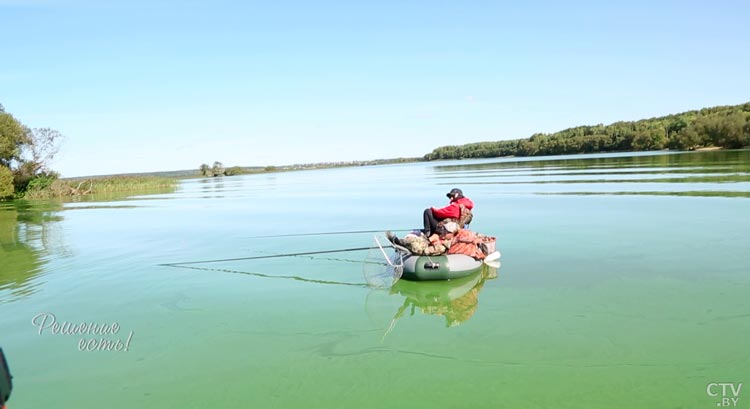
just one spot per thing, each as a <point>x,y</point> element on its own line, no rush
<point>88,186</point>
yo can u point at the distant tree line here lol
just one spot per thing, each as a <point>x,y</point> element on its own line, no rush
<point>722,126</point>
<point>218,169</point>
<point>25,154</point>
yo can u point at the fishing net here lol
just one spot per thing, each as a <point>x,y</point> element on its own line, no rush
<point>383,265</point>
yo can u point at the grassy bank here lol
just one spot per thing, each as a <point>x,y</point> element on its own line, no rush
<point>97,185</point>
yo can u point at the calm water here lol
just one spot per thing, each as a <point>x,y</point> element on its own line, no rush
<point>624,284</point>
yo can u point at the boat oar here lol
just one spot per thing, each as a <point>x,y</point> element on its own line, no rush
<point>492,264</point>
<point>492,257</point>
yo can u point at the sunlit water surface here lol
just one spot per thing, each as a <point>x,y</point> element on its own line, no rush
<point>624,284</point>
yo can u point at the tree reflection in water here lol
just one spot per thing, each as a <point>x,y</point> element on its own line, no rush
<point>29,232</point>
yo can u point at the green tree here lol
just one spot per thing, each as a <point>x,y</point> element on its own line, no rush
<point>205,169</point>
<point>727,131</point>
<point>732,131</point>
<point>218,169</point>
<point>6,182</point>
<point>649,140</point>
<point>27,152</point>
<point>677,125</point>
<point>12,137</point>
<point>688,139</point>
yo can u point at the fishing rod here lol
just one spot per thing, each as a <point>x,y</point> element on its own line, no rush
<point>346,260</point>
<point>324,233</point>
<point>305,253</point>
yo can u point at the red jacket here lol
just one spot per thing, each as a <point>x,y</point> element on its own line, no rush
<point>453,210</point>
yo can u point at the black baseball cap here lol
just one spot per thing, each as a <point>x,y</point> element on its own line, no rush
<point>455,191</point>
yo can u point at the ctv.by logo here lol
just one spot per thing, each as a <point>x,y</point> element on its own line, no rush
<point>728,393</point>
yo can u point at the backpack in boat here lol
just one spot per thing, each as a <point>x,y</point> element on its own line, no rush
<point>464,218</point>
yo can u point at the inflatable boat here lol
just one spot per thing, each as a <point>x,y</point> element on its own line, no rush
<point>403,264</point>
<point>445,267</point>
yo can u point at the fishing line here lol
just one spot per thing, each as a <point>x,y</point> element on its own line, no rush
<point>324,233</point>
<point>306,253</point>
<point>344,260</point>
<point>296,278</point>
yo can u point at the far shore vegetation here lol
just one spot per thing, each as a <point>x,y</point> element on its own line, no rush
<point>218,168</point>
<point>726,127</point>
<point>44,188</point>
<point>26,152</point>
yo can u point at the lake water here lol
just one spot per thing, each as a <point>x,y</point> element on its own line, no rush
<point>624,284</point>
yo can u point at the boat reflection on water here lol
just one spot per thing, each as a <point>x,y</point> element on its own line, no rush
<point>455,300</point>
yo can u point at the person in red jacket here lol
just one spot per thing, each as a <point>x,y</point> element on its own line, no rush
<point>433,216</point>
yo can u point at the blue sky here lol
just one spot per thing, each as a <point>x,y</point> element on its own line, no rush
<point>156,85</point>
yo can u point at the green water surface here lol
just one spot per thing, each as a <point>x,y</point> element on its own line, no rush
<point>624,284</point>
